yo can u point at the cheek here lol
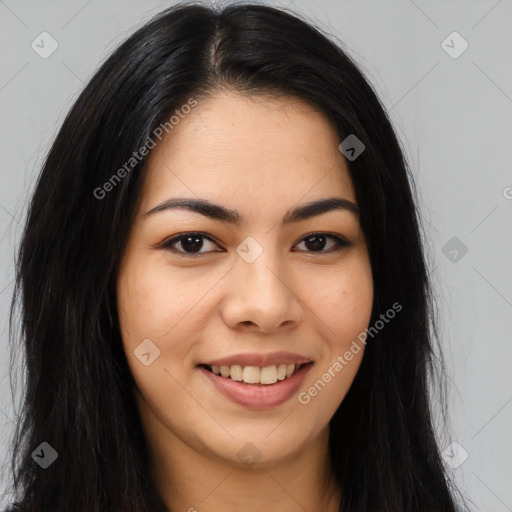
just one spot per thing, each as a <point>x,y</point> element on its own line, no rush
<point>152,300</point>
<point>167,307</point>
<point>154,308</point>
<point>343,301</point>
<point>344,304</point>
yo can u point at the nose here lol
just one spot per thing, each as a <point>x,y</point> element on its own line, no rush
<point>262,296</point>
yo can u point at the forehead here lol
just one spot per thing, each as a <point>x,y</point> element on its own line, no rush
<point>237,149</point>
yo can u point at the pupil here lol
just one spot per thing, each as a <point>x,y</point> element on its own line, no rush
<point>316,245</point>
<point>193,245</point>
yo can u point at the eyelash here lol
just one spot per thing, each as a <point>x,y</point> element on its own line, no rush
<point>341,243</point>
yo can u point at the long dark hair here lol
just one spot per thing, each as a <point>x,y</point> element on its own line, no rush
<point>78,391</point>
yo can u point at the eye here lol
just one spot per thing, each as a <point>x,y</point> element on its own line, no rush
<point>192,243</point>
<point>317,242</point>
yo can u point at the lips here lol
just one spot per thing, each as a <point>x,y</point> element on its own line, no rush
<point>257,395</point>
<point>257,380</point>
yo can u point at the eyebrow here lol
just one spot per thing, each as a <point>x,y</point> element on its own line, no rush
<point>218,212</point>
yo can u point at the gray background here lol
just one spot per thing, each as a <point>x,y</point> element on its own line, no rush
<point>452,115</point>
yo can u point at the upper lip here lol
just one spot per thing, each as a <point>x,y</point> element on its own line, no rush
<point>254,359</point>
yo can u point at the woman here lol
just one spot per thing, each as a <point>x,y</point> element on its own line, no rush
<point>224,299</point>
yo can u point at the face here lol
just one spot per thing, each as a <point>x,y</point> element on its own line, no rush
<point>246,286</point>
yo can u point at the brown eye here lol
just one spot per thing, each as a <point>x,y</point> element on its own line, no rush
<point>190,243</point>
<point>316,242</point>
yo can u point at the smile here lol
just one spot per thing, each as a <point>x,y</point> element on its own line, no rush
<point>255,375</point>
<point>254,394</point>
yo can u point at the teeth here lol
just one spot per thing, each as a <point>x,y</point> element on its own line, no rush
<point>256,375</point>
<point>251,375</point>
<point>268,375</point>
<point>236,372</point>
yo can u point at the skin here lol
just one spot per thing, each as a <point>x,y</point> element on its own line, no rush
<point>261,156</point>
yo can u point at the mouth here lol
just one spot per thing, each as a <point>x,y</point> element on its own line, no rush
<point>255,375</point>
<point>256,387</point>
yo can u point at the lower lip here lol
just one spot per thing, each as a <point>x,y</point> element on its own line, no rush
<point>255,396</point>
